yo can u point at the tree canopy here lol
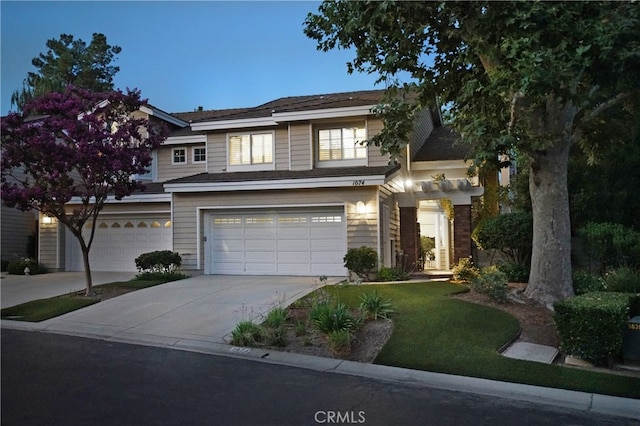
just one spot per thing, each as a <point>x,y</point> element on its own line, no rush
<point>525,77</point>
<point>81,146</point>
<point>70,62</point>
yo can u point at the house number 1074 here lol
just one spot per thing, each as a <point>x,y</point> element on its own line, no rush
<point>358,183</point>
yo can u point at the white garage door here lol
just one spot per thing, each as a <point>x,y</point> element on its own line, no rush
<point>118,241</point>
<point>287,242</point>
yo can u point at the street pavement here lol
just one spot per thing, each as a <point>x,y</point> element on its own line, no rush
<point>197,315</point>
<point>50,379</point>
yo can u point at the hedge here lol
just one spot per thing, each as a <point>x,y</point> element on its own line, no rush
<point>591,326</point>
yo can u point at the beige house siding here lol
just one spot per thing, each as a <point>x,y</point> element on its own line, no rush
<point>374,127</point>
<point>301,150</point>
<point>217,152</point>
<point>386,197</point>
<point>51,238</point>
<point>360,230</point>
<point>167,170</point>
<point>282,148</point>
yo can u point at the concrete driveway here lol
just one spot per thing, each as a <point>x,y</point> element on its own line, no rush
<point>202,308</point>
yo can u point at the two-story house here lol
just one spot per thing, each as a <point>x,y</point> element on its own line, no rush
<point>284,188</point>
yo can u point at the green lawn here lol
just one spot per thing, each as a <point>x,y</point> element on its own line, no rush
<point>434,332</point>
<point>43,309</point>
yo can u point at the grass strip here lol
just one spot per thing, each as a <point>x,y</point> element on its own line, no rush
<point>44,309</point>
<point>433,332</point>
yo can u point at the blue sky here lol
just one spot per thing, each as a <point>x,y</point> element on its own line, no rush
<point>182,55</point>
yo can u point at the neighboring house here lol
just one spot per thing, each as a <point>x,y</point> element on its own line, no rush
<point>18,233</point>
<point>17,230</point>
<point>284,188</point>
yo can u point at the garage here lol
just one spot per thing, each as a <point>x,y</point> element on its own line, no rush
<point>118,241</point>
<point>282,242</point>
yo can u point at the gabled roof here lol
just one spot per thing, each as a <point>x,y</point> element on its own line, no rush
<point>288,104</point>
<point>442,144</point>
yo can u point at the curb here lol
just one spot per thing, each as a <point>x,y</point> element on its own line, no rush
<point>589,402</point>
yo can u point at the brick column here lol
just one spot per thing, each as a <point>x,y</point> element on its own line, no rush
<point>409,236</point>
<point>461,231</point>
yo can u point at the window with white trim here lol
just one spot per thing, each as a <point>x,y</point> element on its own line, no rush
<point>341,144</point>
<point>254,150</point>
<point>179,156</point>
<point>199,154</point>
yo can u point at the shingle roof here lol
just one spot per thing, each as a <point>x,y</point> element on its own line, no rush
<point>442,144</point>
<point>288,104</point>
<point>286,174</point>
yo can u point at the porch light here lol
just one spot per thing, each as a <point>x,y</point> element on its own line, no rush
<point>408,185</point>
<point>47,220</point>
<point>361,208</point>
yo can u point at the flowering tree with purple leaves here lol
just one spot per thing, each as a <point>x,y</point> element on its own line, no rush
<point>80,146</point>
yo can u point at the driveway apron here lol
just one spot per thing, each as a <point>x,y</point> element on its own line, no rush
<point>204,308</point>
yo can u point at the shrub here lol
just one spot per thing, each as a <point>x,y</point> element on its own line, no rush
<point>510,233</point>
<point>515,272</point>
<point>340,341</point>
<point>464,270</point>
<point>16,267</point>
<point>374,307</point>
<point>274,336</point>
<point>276,317</point>
<point>246,333</point>
<point>391,274</point>
<point>160,276</point>
<point>623,280</point>
<point>591,326</point>
<point>301,328</point>
<point>609,245</point>
<point>586,282</point>
<point>491,282</point>
<point>4,265</point>
<point>361,261</point>
<point>331,317</point>
<point>158,261</point>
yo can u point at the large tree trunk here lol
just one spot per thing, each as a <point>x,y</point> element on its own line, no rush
<point>550,278</point>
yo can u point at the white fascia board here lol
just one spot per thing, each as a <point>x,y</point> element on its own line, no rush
<point>330,182</point>
<point>135,198</point>
<point>183,140</point>
<point>164,116</point>
<point>233,124</point>
<point>323,113</point>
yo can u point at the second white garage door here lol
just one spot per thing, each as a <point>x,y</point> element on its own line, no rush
<point>118,241</point>
<point>287,242</point>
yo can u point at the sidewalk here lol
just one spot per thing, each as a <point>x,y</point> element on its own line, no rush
<point>196,314</point>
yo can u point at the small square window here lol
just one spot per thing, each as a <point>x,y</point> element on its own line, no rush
<point>179,156</point>
<point>199,155</point>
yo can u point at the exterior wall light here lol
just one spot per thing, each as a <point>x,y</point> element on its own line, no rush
<point>361,208</point>
<point>47,220</point>
<point>408,185</point>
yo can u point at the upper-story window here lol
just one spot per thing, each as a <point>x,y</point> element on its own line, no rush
<point>341,146</point>
<point>251,151</point>
<point>199,155</point>
<point>179,156</point>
